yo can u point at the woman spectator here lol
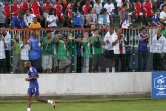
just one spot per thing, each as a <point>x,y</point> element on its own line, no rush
<point>91,18</point>
<point>52,19</point>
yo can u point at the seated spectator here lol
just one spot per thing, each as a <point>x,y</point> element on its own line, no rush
<point>18,21</point>
<point>24,5</point>
<point>98,6</point>
<point>7,13</point>
<point>15,8</point>
<point>163,16</point>
<point>35,8</point>
<point>103,19</point>
<point>52,20</point>
<point>129,9</point>
<point>2,16</point>
<point>86,7</point>
<point>91,18</point>
<point>68,12</point>
<point>156,19</point>
<point>47,6</point>
<point>28,18</point>
<point>138,11</point>
<point>161,6</point>
<point>78,22</point>
<point>119,4</point>
<point>124,17</point>
<point>59,11</point>
<point>110,9</point>
<point>35,25</point>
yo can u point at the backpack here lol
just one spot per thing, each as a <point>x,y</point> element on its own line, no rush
<point>97,43</point>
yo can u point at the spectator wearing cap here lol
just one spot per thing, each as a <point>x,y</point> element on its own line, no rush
<point>18,21</point>
<point>7,13</point>
<point>98,6</point>
<point>7,37</point>
<point>24,5</point>
<point>28,17</point>
<point>52,20</point>
<point>103,19</point>
<point>163,16</point>
<point>15,8</point>
<point>47,6</point>
<point>143,38</point>
<point>86,7</point>
<point>91,18</point>
<point>2,53</point>
<point>35,8</point>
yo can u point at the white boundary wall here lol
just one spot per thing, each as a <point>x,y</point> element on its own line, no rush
<point>92,83</point>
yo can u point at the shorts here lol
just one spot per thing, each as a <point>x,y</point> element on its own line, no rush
<point>33,91</point>
<point>109,54</point>
<point>60,15</point>
<point>150,13</point>
<point>63,62</point>
<point>47,62</point>
<point>138,13</point>
<point>55,60</point>
<point>97,60</point>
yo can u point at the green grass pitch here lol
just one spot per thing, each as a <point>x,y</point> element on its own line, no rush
<point>119,104</point>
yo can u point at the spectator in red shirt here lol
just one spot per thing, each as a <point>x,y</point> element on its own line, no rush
<point>24,5</point>
<point>58,8</point>
<point>15,8</point>
<point>138,11</point>
<point>35,8</point>
<point>7,13</point>
<point>68,12</point>
<point>46,8</point>
<point>86,7</point>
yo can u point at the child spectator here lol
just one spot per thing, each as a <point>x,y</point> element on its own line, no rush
<point>47,6</point>
<point>52,20</point>
<point>15,8</point>
<point>24,5</point>
<point>35,25</point>
<point>156,19</point>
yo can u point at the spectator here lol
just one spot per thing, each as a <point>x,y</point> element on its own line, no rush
<point>24,6</point>
<point>2,16</point>
<point>18,21</point>
<point>7,13</point>
<point>7,38</point>
<point>15,8</point>
<point>98,6</point>
<point>25,48</point>
<point>91,18</point>
<point>68,12</point>
<point>156,19</point>
<point>86,7</point>
<point>47,6</point>
<point>16,53</point>
<point>119,4</point>
<point>52,20</point>
<point>110,9</point>
<point>143,38</point>
<point>59,9</point>
<point>162,5</point>
<point>109,52</point>
<point>163,16</point>
<point>35,26</point>
<point>124,17</point>
<point>35,8</point>
<point>47,44</point>
<point>158,48</point>
<point>35,52</point>
<point>28,17</point>
<point>103,19</point>
<point>138,11</point>
<point>2,53</point>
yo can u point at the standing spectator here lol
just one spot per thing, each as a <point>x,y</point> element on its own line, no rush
<point>97,42</point>
<point>35,52</point>
<point>52,20</point>
<point>7,38</point>
<point>86,7</point>
<point>110,9</point>
<point>124,17</point>
<point>109,52</point>
<point>163,16</point>
<point>103,19</point>
<point>138,11</point>
<point>35,8</point>
<point>98,6</point>
<point>2,16</point>
<point>16,53</point>
<point>68,12</point>
<point>143,38</point>
<point>91,18</point>
<point>15,8</point>
<point>156,19</point>
<point>25,48</point>
<point>35,26</point>
<point>18,21</point>
<point>28,18</point>
<point>24,6</point>
<point>7,13</point>
<point>158,48</point>
<point>2,53</point>
<point>47,6</point>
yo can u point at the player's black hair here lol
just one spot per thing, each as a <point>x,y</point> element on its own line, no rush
<point>48,31</point>
<point>124,5</point>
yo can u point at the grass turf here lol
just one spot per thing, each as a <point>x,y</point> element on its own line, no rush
<point>120,104</point>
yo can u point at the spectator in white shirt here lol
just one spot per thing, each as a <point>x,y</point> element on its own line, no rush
<point>25,48</point>
<point>2,53</point>
<point>98,6</point>
<point>110,9</point>
<point>163,16</point>
<point>7,38</point>
<point>28,17</point>
<point>91,18</point>
<point>52,19</point>
<point>158,48</point>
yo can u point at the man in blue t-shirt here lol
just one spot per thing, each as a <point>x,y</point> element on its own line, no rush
<point>33,89</point>
<point>143,38</point>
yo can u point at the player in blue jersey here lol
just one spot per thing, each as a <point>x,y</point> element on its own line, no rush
<point>33,89</point>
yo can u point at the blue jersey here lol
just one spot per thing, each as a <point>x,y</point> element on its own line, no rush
<point>143,45</point>
<point>33,83</point>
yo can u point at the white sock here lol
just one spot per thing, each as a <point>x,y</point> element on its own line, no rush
<point>28,109</point>
<point>113,69</point>
<point>49,101</point>
<point>107,70</point>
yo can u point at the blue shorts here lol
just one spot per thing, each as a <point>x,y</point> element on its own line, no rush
<point>33,91</point>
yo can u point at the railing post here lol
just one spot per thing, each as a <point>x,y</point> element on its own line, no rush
<point>11,59</point>
<point>133,50</point>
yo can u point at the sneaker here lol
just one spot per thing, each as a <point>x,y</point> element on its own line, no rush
<point>53,104</point>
